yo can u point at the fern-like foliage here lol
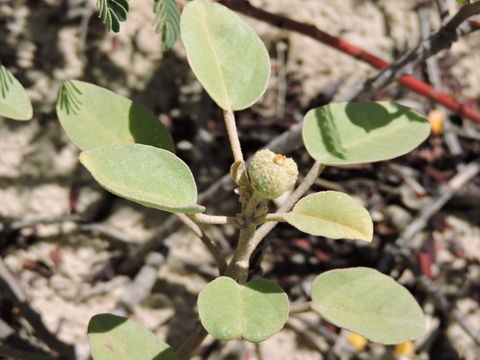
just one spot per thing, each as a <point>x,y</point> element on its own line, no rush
<point>68,98</point>
<point>167,21</point>
<point>5,81</point>
<point>113,12</point>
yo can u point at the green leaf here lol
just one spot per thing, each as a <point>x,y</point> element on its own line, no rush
<point>113,12</point>
<point>93,116</point>
<point>114,337</point>
<point>332,214</point>
<point>167,21</point>
<point>152,177</point>
<point>14,103</point>
<point>368,303</point>
<point>355,133</point>
<point>225,54</point>
<point>254,311</point>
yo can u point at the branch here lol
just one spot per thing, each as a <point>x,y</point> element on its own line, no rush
<point>442,39</point>
<point>15,293</point>
<point>445,193</point>
<point>209,243</point>
<point>195,339</point>
<point>213,219</point>
<point>312,31</point>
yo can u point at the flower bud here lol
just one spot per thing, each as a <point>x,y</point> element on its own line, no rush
<point>272,174</point>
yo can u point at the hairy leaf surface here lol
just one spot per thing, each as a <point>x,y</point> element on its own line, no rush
<point>332,214</point>
<point>368,303</point>
<point>254,311</point>
<point>355,133</point>
<point>93,116</point>
<point>147,175</point>
<point>114,337</point>
<point>14,103</point>
<point>225,54</point>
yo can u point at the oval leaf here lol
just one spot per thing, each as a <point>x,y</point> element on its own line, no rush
<point>117,338</point>
<point>225,54</point>
<point>254,311</point>
<point>93,116</point>
<point>332,214</point>
<point>14,103</point>
<point>355,133</point>
<point>144,174</point>
<point>368,303</point>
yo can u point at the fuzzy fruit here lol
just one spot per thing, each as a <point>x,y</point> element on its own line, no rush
<point>272,174</point>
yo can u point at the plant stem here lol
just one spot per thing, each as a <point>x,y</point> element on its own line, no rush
<point>273,217</point>
<point>213,219</point>
<point>194,340</point>
<point>238,267</point>
<point>209,243</point>
<point>233,135</point>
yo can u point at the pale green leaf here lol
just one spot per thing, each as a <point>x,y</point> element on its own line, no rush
<point>14,103</point>
<point>332,214</point>
<point>93,116</point>
<point>355,133</point>
<point>254,311</point>
<point>368,303</point>
<point>167,21</point>
<point>114,337</point>
<point>225,54</point>
<point>147,175</point>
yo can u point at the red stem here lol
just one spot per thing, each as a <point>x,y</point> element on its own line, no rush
<point>312,31</point>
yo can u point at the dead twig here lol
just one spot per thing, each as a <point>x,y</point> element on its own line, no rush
<point>312,31</point>
<point>439,40</point>
<point>141,286</point>
<point>433,71</point>
<point>15,293</point>
<point>209,243</point>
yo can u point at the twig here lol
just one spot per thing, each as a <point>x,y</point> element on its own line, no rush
<point>209,243</point>
<point>300,308</point>
<point>18,297</point>
<point>188,346</point>
<point>433,70</point>
<point>441,39</point>
<point>312,31</point>
<point>213,219</point>
<point>18,225</point>
<point>273,217</point>
<point>446,308</point>
<point>445,193</point>
<point>141,286</point>
<point>14,342</point>
<point>134,259</point>
<point>14,353</point>
<point>442,6</point>
<point>115,237</point>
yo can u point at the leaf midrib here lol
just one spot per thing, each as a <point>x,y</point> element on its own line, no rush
<point>328,221</point>
<point>215,55</point>
<point>344,309</point>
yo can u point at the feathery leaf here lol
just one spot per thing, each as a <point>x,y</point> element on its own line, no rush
<point>167,21</point>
